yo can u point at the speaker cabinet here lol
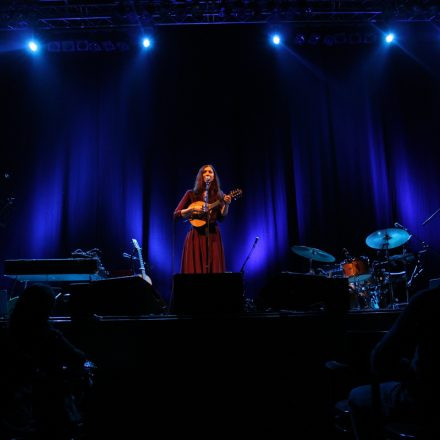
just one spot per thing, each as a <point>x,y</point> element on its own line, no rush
<point>297,291</point>
<point>215,293</point>
<point>122,296</point>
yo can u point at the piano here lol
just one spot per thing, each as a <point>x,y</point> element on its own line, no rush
<point>53,270</point>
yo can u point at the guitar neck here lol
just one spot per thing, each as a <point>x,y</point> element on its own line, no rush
<point>141,262</point>
<point>214,204</point>
<point>139,252</point>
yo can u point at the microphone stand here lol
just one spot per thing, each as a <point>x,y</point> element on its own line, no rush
<point>248,303</point>
<point>206,210</point>
<point>249,255</point>
<point>430,217</point>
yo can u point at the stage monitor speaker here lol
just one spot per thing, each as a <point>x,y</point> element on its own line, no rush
<point>124,296</point>
<point>217,293</point>
<point>298,291</point>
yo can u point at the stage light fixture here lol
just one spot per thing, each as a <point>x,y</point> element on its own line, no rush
<point>300,39</point>
<point>122,46</point>
<point>33,46</point>
<point>147,43</point>
<point>329,40</point>
<point>68,46</point>
<point>276,39</point>
<point>389,38</point>
<point>108,46</point>
<point>314,39</point>
<point>54,46</point>
<point>341,38</point>
<point>94,46</point>
<point>82,46</point>
<point>355,38</point>
<point>370,38</point>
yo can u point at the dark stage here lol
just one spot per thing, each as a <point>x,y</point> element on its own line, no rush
<point>209,374</point>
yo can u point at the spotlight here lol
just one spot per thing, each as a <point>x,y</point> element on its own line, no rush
<point>276,39</point>
<point>389,38</point>
<point>33,46</point>
<point>147,43</point>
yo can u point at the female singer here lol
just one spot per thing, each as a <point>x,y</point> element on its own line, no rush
<point>203,248</point>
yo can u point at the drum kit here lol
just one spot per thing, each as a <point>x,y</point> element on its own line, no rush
<point>378,284</point>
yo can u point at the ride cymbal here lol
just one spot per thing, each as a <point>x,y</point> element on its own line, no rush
<point>313,254</point>
<point>387,238</point>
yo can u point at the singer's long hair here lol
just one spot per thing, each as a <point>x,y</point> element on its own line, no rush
<point>214,186</point>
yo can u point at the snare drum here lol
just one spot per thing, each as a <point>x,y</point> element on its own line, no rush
<point>356,269</point>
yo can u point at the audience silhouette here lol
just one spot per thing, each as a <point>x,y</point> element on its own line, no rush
<point>43,373</point>
<point>406,361</point>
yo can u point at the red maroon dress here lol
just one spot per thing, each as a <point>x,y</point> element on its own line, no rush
<point>194,255</point>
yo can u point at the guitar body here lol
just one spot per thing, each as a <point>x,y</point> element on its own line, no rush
<point>200,219</point>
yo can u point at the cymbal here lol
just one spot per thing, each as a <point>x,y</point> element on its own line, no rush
<point>387,238</point>
<point>313,254</point>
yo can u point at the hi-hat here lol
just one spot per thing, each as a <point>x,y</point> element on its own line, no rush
<point>313,254</point>
<point>387,238</point>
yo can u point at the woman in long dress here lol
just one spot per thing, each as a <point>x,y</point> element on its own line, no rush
<point>203,247</point>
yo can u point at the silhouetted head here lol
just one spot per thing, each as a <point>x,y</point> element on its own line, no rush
<point>33,307</point>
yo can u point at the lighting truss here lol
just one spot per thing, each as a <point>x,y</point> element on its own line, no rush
<point>105,14</point>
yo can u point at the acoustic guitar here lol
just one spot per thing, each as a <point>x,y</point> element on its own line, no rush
<point>200,218</point>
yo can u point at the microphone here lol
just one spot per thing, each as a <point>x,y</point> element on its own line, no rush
<point>398,225</point>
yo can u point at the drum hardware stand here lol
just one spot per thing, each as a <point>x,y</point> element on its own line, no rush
<point>390,284</point>
<point>418,269</point>
<point>311,271</point>
<point>405,266</point>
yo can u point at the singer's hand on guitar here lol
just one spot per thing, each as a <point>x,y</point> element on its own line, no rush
<point>191,211</point>
<point>227,199</point>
